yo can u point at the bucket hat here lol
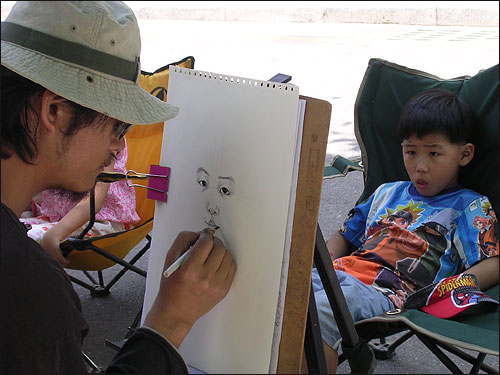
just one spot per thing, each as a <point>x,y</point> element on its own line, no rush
<point>85,51</point>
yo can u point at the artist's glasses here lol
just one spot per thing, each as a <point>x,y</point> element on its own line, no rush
<point>120,129</point>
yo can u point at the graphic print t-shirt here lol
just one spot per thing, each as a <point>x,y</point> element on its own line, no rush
<point>406,241</point>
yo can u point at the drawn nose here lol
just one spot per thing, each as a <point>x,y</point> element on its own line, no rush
<point>214,210</point>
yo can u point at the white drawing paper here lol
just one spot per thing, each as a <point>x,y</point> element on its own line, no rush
<point>231,151</point>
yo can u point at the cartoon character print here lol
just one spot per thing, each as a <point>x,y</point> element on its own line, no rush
<point>390,240</point>
<point>463,299</point>
<point>487,226</point>
<point>433,230</point>
<point>394,285</point>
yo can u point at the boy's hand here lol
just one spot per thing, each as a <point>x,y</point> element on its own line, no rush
<point>202,281</point>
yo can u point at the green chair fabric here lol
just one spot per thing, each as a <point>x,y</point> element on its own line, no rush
<point>340,166</point>
<point>472,332</point>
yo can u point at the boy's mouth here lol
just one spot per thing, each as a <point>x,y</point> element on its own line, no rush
<point>421,183</point>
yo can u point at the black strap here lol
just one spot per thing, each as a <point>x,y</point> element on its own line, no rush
<point>69,51</point>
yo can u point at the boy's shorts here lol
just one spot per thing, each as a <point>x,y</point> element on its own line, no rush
<point>362,300</point>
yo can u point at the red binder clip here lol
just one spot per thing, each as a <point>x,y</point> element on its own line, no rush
<point>158,179</point>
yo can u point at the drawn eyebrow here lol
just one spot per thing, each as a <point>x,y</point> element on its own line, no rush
<point>226,178</point>
<point>202,170</point>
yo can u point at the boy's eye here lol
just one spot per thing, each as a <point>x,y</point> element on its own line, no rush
<point>434,153</point>
<point>410,152</point>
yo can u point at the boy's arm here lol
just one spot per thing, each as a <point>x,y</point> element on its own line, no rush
<point>486,272</point>
<point>337,245</point>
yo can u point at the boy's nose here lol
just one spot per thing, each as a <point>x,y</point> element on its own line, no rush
<point>421,166</point>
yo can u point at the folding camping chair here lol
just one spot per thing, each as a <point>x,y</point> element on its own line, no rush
<point>100,253</point>
<point>386,87</point>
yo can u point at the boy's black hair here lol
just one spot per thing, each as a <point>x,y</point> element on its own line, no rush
<point>436,111</point>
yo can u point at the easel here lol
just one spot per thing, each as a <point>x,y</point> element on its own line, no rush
<point>313,152</point>
<point>300,329</point>
<point>301,333</point>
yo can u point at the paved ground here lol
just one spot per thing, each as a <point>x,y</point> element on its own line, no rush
<point>327,61</point>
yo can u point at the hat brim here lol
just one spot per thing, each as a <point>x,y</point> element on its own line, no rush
<point>445,308</point>
<point>117,98</point>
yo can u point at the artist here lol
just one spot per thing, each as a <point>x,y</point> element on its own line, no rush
<point>69,81</point>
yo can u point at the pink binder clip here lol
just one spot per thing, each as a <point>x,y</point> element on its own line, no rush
<point>158,179</point>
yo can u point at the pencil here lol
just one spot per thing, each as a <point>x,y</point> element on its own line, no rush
<point>174,266</point>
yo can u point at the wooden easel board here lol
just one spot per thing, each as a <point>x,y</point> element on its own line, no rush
<point>312,159</point>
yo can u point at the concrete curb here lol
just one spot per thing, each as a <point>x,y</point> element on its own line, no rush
<point>435,16</point>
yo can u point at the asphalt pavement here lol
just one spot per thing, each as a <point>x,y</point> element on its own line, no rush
<point>326,61</point>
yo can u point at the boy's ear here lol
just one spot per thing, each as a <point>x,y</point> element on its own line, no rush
<point>467,154</point>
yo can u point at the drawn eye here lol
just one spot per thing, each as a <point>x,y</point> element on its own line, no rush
<point>225,186</point>
<point>202,179</point>
<point>224,190</point>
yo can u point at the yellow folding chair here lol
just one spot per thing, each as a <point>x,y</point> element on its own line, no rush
<point>100,253</point>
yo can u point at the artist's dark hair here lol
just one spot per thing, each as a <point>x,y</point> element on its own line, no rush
<point>436,111</point>
<point>16,97</point>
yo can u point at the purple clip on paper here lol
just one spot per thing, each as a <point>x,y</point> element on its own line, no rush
<point>159,178</point>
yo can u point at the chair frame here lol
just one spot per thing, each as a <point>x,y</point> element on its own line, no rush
<point>98,288</point>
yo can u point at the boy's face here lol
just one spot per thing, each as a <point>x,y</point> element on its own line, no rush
<point>433,162</point>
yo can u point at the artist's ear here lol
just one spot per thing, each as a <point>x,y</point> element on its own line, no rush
<point>54,112</point>
<point>467,154</point>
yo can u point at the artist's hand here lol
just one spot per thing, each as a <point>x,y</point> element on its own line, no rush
<point>50,243</point>
<point>203,280</point>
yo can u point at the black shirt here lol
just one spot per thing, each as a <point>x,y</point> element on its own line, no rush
<point>43,327</point>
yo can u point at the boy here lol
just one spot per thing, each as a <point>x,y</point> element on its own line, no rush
<point>409,234</point>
